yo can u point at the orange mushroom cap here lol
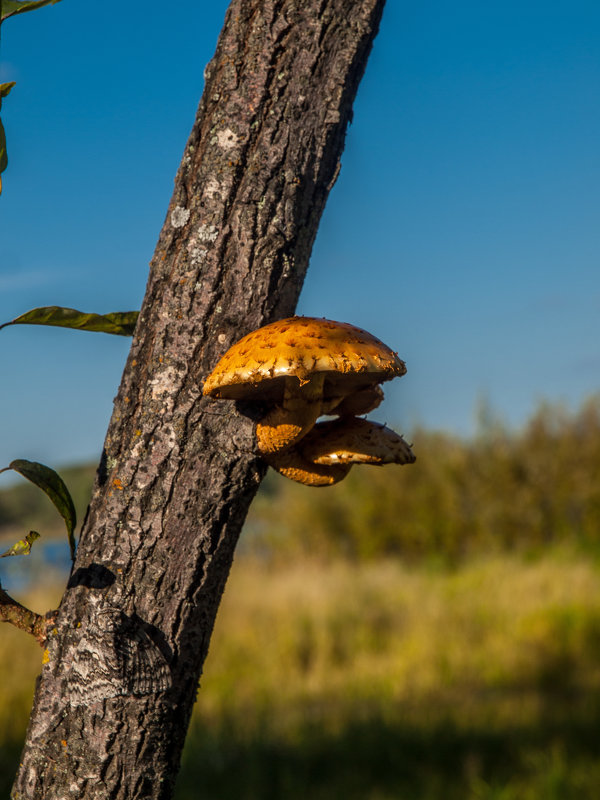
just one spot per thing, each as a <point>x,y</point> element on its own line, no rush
<point>349,358</point>
<point>351,440</point>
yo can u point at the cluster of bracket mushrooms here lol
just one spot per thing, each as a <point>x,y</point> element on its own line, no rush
<point>300,369</point>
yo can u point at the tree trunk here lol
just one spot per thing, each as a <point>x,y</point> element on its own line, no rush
<point>178,472</point>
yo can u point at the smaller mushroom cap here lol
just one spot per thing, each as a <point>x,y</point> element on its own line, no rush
<point>255,368</point>
<point>351,440</point>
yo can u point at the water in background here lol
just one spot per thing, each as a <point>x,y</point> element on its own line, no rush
<point>49,561</point>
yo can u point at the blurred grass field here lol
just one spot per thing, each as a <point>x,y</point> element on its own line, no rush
<point>378,681</point>
<point>397,637</point>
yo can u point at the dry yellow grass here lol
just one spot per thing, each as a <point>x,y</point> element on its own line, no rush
<point>489,674</point>
<point>381,633</point>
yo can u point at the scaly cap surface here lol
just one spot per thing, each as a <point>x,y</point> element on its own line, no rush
<point>351,440</point>
<point>299,347</point>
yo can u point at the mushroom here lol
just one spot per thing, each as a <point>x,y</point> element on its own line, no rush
<point>328,452</point>
<point>293,465</point>
<point>303,367</point>
<point>352,440</point>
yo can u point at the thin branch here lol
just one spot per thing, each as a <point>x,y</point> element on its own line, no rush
<point>22,618</point>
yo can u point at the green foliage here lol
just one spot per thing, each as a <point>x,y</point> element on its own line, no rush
<point>22,547</point>
<point>3,154</point>
<point>4,91</point>
<point>501,490</point>
<point>120,323</point>
<point>23,502</point>
<point>8,8</point>
<point>53,485</point>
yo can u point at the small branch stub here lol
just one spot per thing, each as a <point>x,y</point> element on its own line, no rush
<point>22,618</point>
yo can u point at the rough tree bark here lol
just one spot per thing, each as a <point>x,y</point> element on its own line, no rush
<point>178,473</point>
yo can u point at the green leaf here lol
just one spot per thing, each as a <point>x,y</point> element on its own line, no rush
<point>3,156</point>
<point>5,89</point>
<point>22,547</point>
<point>12,7</point>
<point>50,482</point>
<point>121,323</point>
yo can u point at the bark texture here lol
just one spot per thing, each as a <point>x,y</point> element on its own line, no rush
<point>178,472</point>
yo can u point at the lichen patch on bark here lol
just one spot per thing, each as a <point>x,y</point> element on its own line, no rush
<point>179,216</point>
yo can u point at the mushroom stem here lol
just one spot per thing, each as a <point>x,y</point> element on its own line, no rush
<point>286,424</point>
<point>292,464</point>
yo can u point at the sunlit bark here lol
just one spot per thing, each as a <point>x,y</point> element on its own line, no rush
<point>178,472</point>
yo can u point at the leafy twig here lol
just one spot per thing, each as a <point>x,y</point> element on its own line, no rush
<point>121,323</point>
<point>53,485</point>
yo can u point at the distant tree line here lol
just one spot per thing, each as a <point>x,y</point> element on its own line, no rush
<point>501,489</point>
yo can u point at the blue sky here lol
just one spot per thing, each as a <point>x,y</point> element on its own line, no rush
<point>463,229</point>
